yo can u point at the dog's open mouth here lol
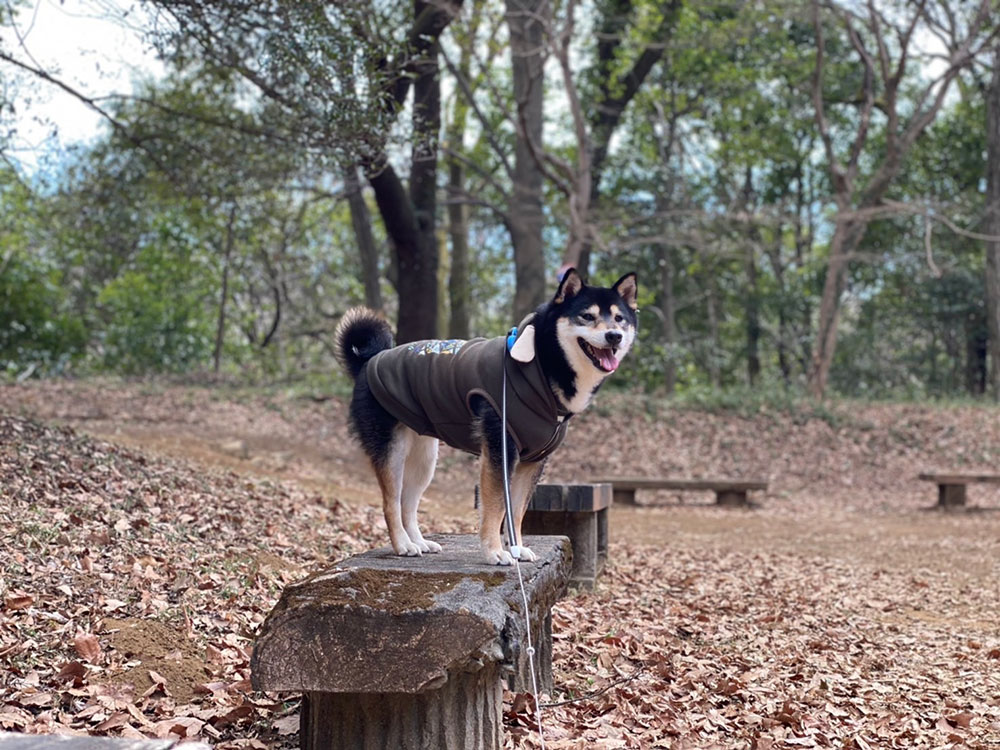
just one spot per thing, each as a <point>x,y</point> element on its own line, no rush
<point>603,359</point>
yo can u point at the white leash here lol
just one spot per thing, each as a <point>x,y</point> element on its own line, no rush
<point>515,549</point>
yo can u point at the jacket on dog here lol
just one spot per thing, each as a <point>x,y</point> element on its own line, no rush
<point>428,386</point>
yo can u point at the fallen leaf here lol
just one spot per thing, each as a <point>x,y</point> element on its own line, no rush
<point>286,724</point>
<point>87,646</point>
<point>18,601</point>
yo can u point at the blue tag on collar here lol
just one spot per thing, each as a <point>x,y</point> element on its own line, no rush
<point>511,338</point>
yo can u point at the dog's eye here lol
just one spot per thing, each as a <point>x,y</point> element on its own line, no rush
<point>619,318</point>
<point>589,317</point>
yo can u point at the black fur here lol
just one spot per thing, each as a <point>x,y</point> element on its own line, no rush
<point>360,336</point>
<point>370,423</point>
<point>487,425</point>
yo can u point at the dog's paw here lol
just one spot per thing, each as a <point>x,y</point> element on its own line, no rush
<point>527,555</point>
<point>499,557</point>
<point>407,549</point>
<point>432,547</point>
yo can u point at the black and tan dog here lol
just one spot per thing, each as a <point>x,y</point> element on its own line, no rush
<point>408,397</point>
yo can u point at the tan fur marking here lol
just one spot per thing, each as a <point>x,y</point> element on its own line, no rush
<point>388,483</point>
<point>491,511</point>
<point>522,486</point>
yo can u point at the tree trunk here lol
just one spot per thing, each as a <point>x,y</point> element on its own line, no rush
<point>458,212</point>
<point>752,301</point>
<point>617,89</point>
<point>458,229</point>
<point>846,238</point>
<point>525,220</point>
<point>712,312</point>
<point>409,216</point>
<point>423,188</point>
<point>367,249</point>
<point>804,236</point>
<point>753,326</point>
<point>976,354</point>
<point>668,311</point>
<point>220,326</point>
<point>991,224</point>
<point>416,283</point>
<point>774,254</point>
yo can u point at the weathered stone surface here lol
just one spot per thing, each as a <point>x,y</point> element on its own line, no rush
<point>380,623</point>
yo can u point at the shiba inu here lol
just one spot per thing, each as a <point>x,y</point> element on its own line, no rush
<point>407,398</point>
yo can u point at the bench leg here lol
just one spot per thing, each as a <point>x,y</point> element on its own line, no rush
<point>541,638</point>
<point>602,540</point>
<point>623,496</point>
<point>583,530</point>
<point>731,498</point>
<point>951,495</point>
<point>467,712</point>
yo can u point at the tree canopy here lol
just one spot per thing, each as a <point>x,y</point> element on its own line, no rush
<point>807,190</point>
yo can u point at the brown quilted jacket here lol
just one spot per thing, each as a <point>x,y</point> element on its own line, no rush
<point>427,385</point>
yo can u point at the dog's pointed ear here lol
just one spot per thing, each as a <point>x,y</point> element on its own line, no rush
<point>570,286</point>
<point>628,289</point>
<point>524,347</point>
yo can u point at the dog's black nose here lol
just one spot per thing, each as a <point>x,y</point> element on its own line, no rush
<point>613,337</point>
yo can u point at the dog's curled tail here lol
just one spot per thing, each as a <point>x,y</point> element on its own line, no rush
<point>361,334</point>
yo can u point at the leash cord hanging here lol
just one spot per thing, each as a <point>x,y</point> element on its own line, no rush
<point>515,549</point>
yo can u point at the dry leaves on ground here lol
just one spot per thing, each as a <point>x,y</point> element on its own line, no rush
<point>131,585</point>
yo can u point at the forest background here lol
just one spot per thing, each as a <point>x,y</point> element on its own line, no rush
<point>809,191</point>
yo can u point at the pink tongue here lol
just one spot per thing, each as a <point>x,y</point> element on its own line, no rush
<point>607,358</point>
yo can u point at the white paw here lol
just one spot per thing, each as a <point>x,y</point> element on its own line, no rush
<point>432,547</point>
<point>407,549</point>
<point>499,557</point>
<point>527,555</point>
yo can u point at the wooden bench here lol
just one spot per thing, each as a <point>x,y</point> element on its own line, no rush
<point>580,512</point>
<point>729,492</point>
<point>396,652</point>
<point>951,486</point>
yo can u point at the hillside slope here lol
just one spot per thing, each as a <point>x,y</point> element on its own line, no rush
<point>863,456</point>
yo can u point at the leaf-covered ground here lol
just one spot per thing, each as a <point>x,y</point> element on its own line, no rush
<point>148,529</point>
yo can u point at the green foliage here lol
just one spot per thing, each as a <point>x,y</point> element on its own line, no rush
<point>716,191</point>
<point>37,335</point>
<point>155,315</point>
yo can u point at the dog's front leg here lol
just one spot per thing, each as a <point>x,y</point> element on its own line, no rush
<point>522,486</point>
<point>491,499</point>
<point>491,511</point>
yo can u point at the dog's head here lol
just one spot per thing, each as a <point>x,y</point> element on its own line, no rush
<point>592,329</point>
<point>595,325</point>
